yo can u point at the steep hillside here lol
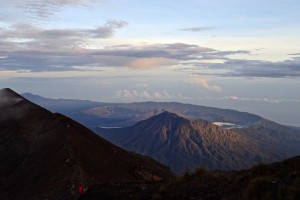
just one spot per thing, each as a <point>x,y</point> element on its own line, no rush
<point>277,181</point>
<point>48,156</point>
<point>181,143</point>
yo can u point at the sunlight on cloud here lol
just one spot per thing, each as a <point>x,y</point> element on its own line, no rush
<point>204,83</point>
<point>247,99</point>
<point>147,63</point>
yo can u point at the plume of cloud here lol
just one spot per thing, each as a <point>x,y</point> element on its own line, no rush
<point>204,83</point>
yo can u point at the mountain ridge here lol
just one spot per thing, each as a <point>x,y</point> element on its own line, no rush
<point>181,143</point>
<point>46,155</point>
<point>128,114</point>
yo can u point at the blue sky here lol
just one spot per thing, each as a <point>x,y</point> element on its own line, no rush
<point>237,54</point>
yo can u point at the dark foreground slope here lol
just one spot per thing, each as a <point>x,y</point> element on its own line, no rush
<point>48,156</point>
<point>277,181</point>
<point>180,143</point>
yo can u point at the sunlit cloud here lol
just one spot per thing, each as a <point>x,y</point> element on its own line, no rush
<point>204,83</point>
<point>248,99</point>
<point>148,63</point>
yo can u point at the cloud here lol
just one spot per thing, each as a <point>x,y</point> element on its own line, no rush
<point>255,68</point>
<point>134,94</point>
<point>204,83</point>
<point>177,51</point>
<point>29,32</point>
<point>149,56</point>
<point>33,48</point>
<point>294,54</point>
<point>262,100</point>
<point>195,29</point>
<point>30,47</point>
<point>143,85</point>
<point>44,9</point>
<point>147,63</point>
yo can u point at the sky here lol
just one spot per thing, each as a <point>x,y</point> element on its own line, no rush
<point>235,54</point>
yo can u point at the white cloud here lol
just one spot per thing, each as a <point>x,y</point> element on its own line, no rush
<point>262,100</point>
<point>134,94</point>
<point>204,83</point>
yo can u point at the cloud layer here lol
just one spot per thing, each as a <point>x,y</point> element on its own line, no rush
<point>260,100</point>
<point>31,48</point>
<point>256,68</point>
<point>42,9</point>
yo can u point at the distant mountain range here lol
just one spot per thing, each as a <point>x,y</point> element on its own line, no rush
<point>49,156</point>
<point>99,114</point>
<point>185,135</point>
<point>181,143</point>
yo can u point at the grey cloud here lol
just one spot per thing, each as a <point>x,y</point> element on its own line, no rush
<point>255,68</point>
<point>65,53</point>
<point>28,47</point>
<point>108,29</point>
<point>28,31</point>
<point>37,10</point>
<point>226,53</point>
<point>176,51</point>
<point>294,54</point>
<point>195,29</point>
<point>44,9</point>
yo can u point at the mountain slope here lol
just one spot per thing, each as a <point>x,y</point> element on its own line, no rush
<point>181,143</point>
<point>64,106</point>
<point>276,181</point>
<point>49,156</point>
